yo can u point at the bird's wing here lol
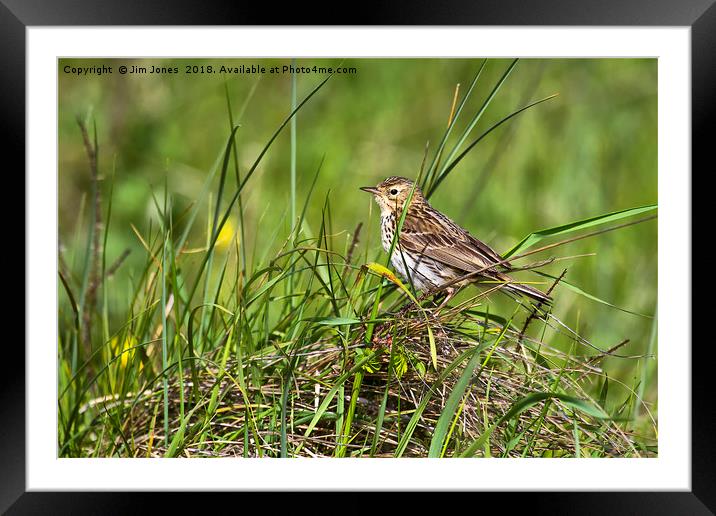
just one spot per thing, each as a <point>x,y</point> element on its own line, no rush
<point>432,234</point>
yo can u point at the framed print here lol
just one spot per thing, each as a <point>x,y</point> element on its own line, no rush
<point>391,257</point>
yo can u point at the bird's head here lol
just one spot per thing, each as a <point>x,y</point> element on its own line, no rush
<point>392,193</point>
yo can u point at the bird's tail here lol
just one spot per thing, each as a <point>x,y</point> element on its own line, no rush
<point>533,293</point>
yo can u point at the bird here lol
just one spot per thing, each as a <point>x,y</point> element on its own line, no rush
<point>432,252</point>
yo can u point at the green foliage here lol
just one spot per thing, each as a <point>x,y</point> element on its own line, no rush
<point>251,315</point>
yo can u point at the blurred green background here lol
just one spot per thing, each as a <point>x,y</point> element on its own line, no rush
<point>590,150</point>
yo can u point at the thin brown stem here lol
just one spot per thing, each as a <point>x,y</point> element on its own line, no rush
<point>117,263</point>
<point>95,249</point>
<point>539,304</point>
<point>354,242</point>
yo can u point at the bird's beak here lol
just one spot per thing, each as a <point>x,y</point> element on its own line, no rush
<point>370,189</point>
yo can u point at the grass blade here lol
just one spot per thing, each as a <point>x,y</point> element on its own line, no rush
<point>581,292</point>
<point>564,229</point>
<point>464,153</point>
<point>451,405</point>
<point>432,187</point>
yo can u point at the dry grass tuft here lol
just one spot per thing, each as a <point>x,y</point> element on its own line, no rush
<point>221,423</point>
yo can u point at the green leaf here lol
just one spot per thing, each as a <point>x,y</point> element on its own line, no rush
<point>433,348</point>
<point>564,229</point>
<point>400,364</point>
<point>336,321</point>
<point>451,404</point>
<point>413,423</point>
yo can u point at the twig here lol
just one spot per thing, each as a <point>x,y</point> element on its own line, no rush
<point>535,265</point>
<point>608,352</point>
<point>600,356</point>
<point>533,314</point>
<point>354,242</point>
<point>117,263</point>
<point>539,304</point>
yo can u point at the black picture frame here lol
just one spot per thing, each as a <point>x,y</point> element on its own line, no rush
<point>700,15</point>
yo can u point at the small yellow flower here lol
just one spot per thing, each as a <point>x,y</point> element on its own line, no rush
<point>226,235</point>
<point>127,352</point>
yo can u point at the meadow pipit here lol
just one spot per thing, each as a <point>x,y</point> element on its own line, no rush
<point>436,251</point>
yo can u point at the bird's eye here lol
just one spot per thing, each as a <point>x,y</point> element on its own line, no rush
<point>394,191</point>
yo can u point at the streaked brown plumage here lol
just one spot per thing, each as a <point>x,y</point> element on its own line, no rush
<point>435,249</point>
